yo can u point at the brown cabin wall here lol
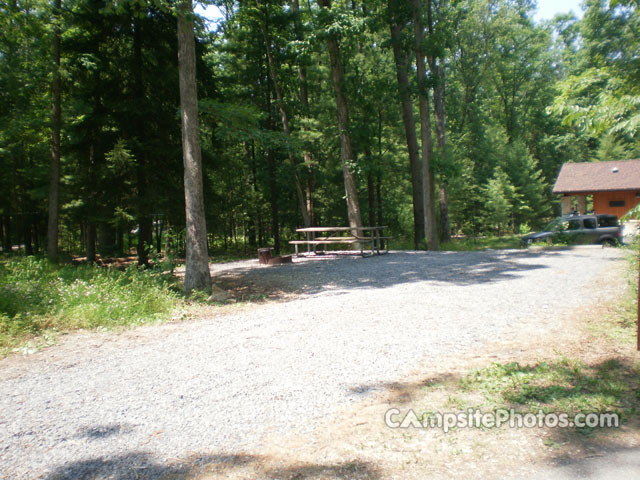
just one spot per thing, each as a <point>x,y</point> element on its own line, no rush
<point>601,202</point>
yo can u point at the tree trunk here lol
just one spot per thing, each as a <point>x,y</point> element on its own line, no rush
<point>371,197</point>
<point>197,275</point>
<point>119,241</point>
<point>56,123</point>
<point>36,235</point>
<point>346,151</point>
<point>379,175</point>
<point>370,186</point>
<point>143,214</point>
<point>441,128</point>
<point>26,230</point>
<point>273,173</point>
<point>428,178</point>
<point>304,101</point>
<point>253,208</point>
<point>159,232</point>
<point>91,242</point>
<point>273,191</point>
<point>379,204</point>
<point>302,202</point>
<point>106,236</point>
<point>7,241</point>
<point>402,69</point>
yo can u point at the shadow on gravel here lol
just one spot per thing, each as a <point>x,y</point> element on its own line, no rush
<point>349,470</point>
<point>141,466</point>
<point>315,274</point>
<point>103,431</point>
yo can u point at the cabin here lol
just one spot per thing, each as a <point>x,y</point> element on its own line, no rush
<point>612,187</point>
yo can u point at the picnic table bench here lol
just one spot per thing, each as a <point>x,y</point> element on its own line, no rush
<point>372,236</point>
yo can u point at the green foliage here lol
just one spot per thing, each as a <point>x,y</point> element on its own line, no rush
<point>602,95</point>
<point>37,295</point>
<point>500,196</point>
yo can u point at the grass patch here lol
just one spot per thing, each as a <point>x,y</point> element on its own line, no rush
<point>564,385</point>
<point>39,298</point>
<point>460,244</point>
<point>481,243</point>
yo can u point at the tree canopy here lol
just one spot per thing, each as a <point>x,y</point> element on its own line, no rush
<point>434,117</point>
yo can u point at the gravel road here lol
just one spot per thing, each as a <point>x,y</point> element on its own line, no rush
<point>150,402</point>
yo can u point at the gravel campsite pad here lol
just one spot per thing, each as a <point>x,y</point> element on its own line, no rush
<point>145,403</point>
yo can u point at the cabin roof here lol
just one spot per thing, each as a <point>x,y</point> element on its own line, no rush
<point>598,177</point>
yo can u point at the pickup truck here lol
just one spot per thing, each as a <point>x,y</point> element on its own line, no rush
<point>579,230</point>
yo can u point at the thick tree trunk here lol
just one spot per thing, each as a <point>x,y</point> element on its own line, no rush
<point>441,127</point>
<point>438,100</point>
<point>273,172</point>
<point>428,177</point>
<point>346,152</point>
<point>56,123</point>
<point>302,202</point>
<point>402,70</point>
<point>304,101</point>
<point>197,275</point>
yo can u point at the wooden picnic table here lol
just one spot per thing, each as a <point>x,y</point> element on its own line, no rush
<point>333,235</point>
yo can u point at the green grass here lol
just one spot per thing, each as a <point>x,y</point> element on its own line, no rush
<point>563,385</point>
<point>464,243</point>
<point>481,243</point>
<point>39,298</point>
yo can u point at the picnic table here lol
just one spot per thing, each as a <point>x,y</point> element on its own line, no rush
<point>373,236</point>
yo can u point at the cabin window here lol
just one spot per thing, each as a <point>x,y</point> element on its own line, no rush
<point>616,203</point>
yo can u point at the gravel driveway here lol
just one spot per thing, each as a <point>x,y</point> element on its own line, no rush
<point>157,400</point>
